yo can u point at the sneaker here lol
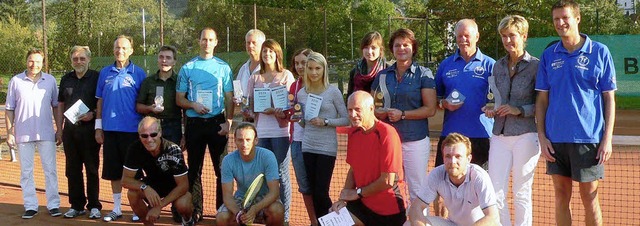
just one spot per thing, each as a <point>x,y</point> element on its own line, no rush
<point>29,214</point>
<point>95,213</point>
<point>73,213</point>
<point>135,218</point>
<point>55,212</point>
<point>111,217</point>
<point>188,223</point>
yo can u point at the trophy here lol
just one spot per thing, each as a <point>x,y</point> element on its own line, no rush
<point>490,102</point>
<point>455,97</point>
<point>296,109</point>
<point>159,101</point>
<point>381,100</point>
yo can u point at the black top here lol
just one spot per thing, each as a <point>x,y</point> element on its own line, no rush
<point>147,95</point>
<point>73,88</point>
<point>159,170</point>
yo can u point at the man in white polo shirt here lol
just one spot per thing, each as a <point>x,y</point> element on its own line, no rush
<point>466,189</point>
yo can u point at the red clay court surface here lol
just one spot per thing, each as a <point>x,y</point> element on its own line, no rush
<point>619,193</point>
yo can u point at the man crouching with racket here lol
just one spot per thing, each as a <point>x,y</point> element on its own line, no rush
<point>249,166</point>
<point>166,175</point>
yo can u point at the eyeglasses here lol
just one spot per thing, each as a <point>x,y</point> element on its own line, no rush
<point>144,135</point>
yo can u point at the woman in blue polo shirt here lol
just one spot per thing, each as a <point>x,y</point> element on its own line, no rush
<point>409,91</point>
<point>514,144</point>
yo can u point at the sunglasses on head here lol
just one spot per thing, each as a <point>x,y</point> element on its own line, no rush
<point>144,135</point>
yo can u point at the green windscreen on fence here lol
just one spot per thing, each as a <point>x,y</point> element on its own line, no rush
<point>625,50</point>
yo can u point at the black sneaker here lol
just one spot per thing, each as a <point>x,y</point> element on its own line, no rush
<point>29,214</point>
<point>55,212</point>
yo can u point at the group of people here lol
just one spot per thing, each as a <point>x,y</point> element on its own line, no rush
<point>499,117</point>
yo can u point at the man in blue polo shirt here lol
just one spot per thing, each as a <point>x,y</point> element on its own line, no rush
<point>116,116</point>
<point>466,72</point>
<point>205,91</point>
<point>575,110</point>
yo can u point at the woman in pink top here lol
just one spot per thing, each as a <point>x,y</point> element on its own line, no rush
<point>273,132</point>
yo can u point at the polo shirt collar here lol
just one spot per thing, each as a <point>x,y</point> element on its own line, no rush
<point>412,68</point>
<point>479,56</point>
<point>587,47</point>
<point>129,68</point>
<point>24,76</point>
<point>467,176</point>
<point>173,76</point>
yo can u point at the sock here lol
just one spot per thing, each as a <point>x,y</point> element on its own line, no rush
<point>117,200</point>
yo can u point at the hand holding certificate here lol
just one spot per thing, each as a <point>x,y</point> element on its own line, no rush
<point>76,110</point>
<point>279,96</point>
<point>312,107</point>
<point>205,97</point>
<point>261,99</point>
<point>342,218</point>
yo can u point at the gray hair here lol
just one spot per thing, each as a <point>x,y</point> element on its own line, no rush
<point>75,49</point>
<point>257,33</point>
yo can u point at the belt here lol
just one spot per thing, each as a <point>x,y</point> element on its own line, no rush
<point>169,120</point>
<point>219,118</point>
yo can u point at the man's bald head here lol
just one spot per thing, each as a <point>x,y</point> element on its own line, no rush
<point>360,108</point>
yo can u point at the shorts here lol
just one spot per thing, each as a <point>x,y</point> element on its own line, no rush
<point>368,217</point>
<point>114,151</point>
<point>260,217</point>
<point>577,161</point>
<point>163,189</point>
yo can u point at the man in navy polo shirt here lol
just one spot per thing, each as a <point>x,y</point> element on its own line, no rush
<point>205,91</point>
<point>575,110</point>
<point>466,72</point>
<point>116,116</point>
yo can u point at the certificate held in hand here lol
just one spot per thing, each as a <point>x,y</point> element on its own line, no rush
<point>261,99</point>
<point>312,107</point>
<point>279,96</point>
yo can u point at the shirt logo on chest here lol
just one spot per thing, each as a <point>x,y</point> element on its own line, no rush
<point>557,64</point>
<point>479,70</point>
<point>452,73</point>
<point>582,61</point>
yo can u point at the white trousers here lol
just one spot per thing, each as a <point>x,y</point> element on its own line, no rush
<point>415,158</point>
<point>518,156</point>
<point>47,151</point>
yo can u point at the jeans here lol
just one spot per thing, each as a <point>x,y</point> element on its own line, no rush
<point>81,148</point>
<point>518,156</point>
<point>280,147</point>
<point>298,166</point>
<point>172,130</point>
<point>319,171</point>
<point>47,151</point>
<point>200,133</point>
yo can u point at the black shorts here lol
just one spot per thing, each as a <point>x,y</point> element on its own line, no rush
<point>114,151</point>
<point>163,189</point>
<point>577,161</point>
<point>368,217</point>
<point>479,151</point>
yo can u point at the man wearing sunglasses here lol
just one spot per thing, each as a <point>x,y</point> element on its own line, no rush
<point>165,182</point>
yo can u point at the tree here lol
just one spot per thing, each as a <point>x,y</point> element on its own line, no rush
<point>18,10</point>
<point>15,40</point>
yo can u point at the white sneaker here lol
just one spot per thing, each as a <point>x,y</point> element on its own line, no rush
<point>135,218</point>
<point>112,217</point>
<point>95,213</point>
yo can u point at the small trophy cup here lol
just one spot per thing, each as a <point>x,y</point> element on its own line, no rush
<point>297,108</point>
<point>455,97</point>
<point>159,101</point>
<point>490,102</point>
<point>380,100</point>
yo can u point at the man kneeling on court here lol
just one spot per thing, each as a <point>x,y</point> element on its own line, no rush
<point>371,191</point>
<point>166,179</point>
<point>466,189</point>
<point>243,166</point>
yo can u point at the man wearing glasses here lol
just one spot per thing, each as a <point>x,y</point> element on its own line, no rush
<point>165,180</point>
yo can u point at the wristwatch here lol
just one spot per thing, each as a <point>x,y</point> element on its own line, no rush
<point>326,122</point>
<point>402,115</point>
<point>359,192</point>
<point>143,186</point>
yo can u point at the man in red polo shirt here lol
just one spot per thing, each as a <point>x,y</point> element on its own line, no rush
<point>371,191</point>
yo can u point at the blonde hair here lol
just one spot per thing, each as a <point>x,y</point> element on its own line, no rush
<point>318,58</point>
<point>517,22</point>
<point>456,138</point>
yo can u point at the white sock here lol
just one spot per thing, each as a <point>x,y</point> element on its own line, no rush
<point>117,200</point>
